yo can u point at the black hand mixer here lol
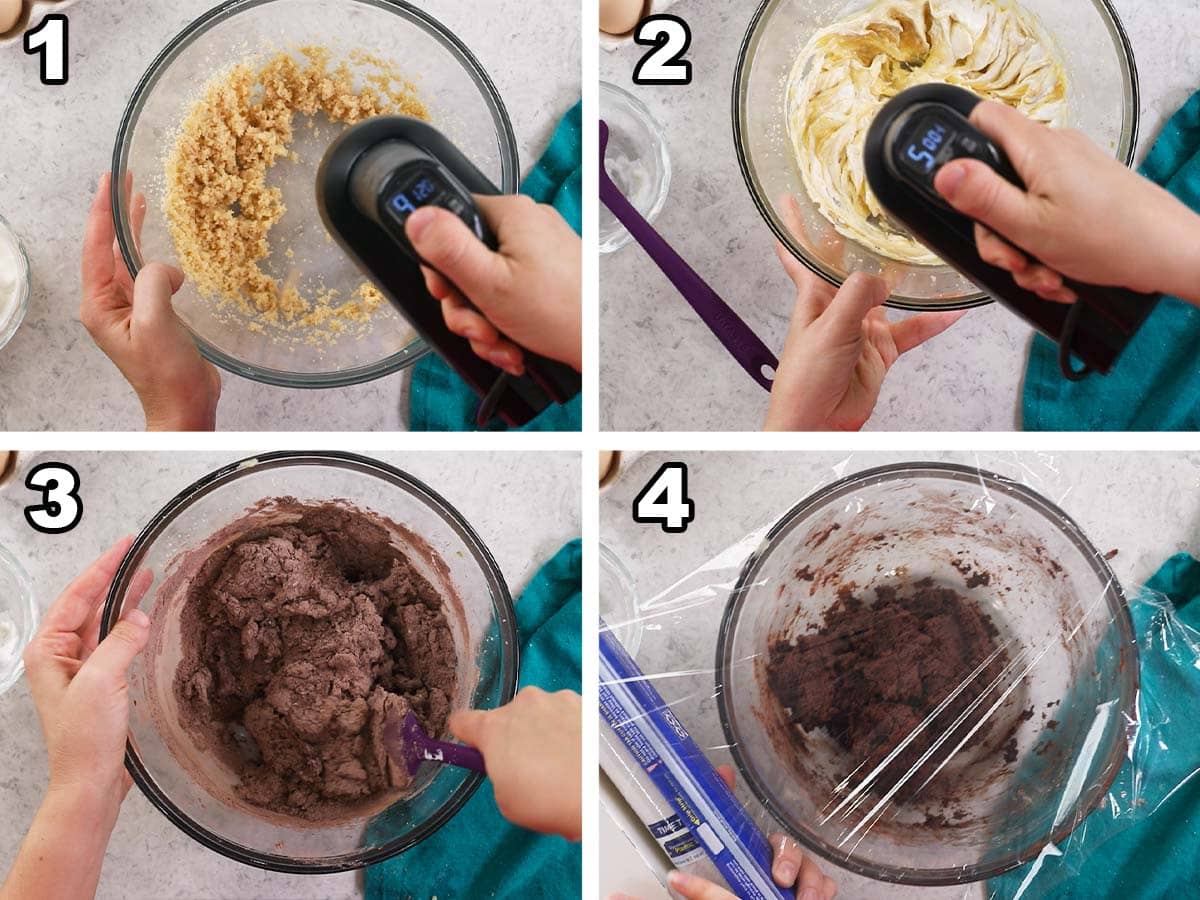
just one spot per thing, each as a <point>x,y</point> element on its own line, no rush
<point>913,136</point>
<point>373,178</point>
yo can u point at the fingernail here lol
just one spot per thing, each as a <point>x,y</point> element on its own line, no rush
<point>679,880</point>
<point>949,180</point>
<point>419,222</point>
<point>809,894</point>
<point>787,871</point>
<point>136,617</point>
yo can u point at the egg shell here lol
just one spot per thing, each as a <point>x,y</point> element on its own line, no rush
<point>10,14</point>
<point>620,16</point>
<point>606,463</point>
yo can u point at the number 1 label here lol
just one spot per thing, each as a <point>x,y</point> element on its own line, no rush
<point>49,40</point>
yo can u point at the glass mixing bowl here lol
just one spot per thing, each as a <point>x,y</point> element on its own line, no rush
<point>13,314</point>
<point>463,104</point>
<point>1065,700</point>
<point>620,605</point>
<point>18,618</point>
<point>195,796</point>
<point>1103,103</point>
<point>637,160</point>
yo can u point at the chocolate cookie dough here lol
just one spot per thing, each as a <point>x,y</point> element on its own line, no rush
<point>299,641</point>
<point>874,672</point>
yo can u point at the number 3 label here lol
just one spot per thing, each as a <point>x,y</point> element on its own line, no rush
<point>670,37</point>
<point>60,509</point>
<point>50,41</point>
<point>664,500</point>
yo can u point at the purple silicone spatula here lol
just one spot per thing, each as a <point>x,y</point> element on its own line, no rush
<point>409,745</point>
<point>742,343</point>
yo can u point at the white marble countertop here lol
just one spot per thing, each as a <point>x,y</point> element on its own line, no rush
<point>523,506</point>
<point>966,380</point>
<point>1117,500</point>
<point>56,141</point>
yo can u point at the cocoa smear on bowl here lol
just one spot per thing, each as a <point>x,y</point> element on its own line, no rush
<point>303,628</point>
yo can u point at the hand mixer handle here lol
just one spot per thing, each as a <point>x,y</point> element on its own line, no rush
<point>371,178</point>
<point>935,120</point>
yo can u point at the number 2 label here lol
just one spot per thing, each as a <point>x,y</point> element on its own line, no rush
<point>49,40</point>
<point>670,37</point>
<point>664,500</point>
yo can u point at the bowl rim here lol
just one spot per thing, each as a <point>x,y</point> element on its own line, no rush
<point>609,563</point>
<point>9,329</point>
<point>1127,665</point>
<point>417,349</point>
<point>1131,115</point>
<point>27,600</point>
<point>506,622</point>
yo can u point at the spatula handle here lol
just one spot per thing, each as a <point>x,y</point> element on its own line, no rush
<point>726,325</point>
<point>453,754</point>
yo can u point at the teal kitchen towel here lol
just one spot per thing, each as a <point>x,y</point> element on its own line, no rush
<point>478,854</point>
<point>440,400</point>
<point>1155,385</point>
<point>1154,855</point>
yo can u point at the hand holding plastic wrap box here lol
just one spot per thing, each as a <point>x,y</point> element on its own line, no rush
<point>927,675</point>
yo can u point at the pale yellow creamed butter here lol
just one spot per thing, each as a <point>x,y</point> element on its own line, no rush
<point>847,71</point>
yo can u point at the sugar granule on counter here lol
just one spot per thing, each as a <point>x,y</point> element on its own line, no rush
<point>219,207</point>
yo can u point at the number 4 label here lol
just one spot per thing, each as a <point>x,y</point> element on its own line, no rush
<point>664,500</point>
<point>670,37</point>
<point>50,41</point>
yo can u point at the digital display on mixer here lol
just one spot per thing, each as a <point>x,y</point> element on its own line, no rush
<point>402,204</point>
<point>921,153</point>
<point>416,194</point>
<point>424,189</point>
<point>422,184</point>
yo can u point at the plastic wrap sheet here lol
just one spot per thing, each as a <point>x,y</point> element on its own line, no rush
<point>924,673</point>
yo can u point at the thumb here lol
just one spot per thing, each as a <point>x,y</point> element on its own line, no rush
<point>976,190</point>
<point>113,656</point>
<point>152,292</point>
<point>858,296</point>
<point>444,241</point>
<point>468,725</point>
